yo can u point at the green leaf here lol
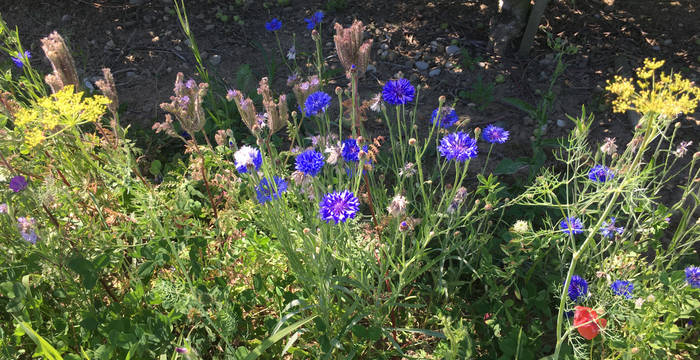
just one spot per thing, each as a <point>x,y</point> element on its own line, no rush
<point>43,347</point>
<point>156,167</point>
<point>86,270</point>
<point>277,337</point>
<point>508,166</point>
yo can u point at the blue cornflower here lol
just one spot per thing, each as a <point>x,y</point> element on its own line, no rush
<point>266,193</point>
<point>314,20</point>
<point>458,146</point>
<point>446,118</point>
<point>310,162</point>
<point>316,103</point>
<point>350,150</point>
<point>18,183</point>
<point>578,287</point>
<point>495,134</point>
<point>571,225</point>
<point>622,287</point>
<point>247,156</point>
<point>692,276</point>
<point>608,230</point>
<point>19,61</point>
<point>273,25</point>
<point>398,92</point>
<point>600,173</point>
<point>339,206</point>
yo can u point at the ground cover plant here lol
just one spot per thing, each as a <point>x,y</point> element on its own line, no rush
<point>304,232</point>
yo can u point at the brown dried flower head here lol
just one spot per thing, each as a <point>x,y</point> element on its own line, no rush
<point>351,49</point>
<point>64,72</point>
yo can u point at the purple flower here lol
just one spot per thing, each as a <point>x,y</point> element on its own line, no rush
<point>3,208</point>
<point>571,225</point>
<point>608,230</point>
<point>19,61</point>
<point>247,156</point>
<point>350,150</point>
<point>314,20</point>
<point>446,118</point>
<point>458,146</point>
<point>578,287</point>
<point>26,229</point>
<point>622,287</point>
<point>600,173</point>
<point>495,134</point>
<point>265,192</point>
<point>273,25</point>
<point>181,350</point>
<point>316,103</point>
<point>310,162</point>
<point>398,92</point>
<point>692,276</point>
<point>339,206</point>
<point>18,183</point>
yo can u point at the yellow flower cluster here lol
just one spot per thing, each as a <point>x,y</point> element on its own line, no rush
<point>665,95</point>
<point>60,111</point>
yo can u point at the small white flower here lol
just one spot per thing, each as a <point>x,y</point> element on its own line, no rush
<point>245,156</point>
<point>521,227</point>
<point>397,206</point>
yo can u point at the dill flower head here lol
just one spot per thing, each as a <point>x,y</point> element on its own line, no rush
<point>609,229</point>
<point>18,183</point>
<point>273,25</point>
<point>310,162</point>
<point>338,206</point>
<point>623,288</point>
<point>314,20</point>
<point>445,117</point>
<point>495,134</point>
<point>600,173</point>
<point>265,191</point>
<point>692,276</point>
<point>19,61</point>
<point>398,92</point>
<point>578,287</point>
<point>666,95</point>
<point>350,150</point>
<point>458,146</point>
<point>247,156</point>
<point>571,225</point>
<point>316,103</point>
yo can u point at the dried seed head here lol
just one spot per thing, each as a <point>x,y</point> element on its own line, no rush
<point>109,89</point>
<point>411,141</point>
<point>61,61</point>
<point>442,99</point>
<point>352,52</point>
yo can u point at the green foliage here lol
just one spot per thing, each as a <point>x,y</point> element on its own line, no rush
<point>481,93</point>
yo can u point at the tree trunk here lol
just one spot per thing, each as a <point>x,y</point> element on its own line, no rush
<point>508,24</point>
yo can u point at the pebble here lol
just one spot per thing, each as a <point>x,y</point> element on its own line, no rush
<point>135,2</point>
<point>656,48</point>
<point>209,27</point>
<point>452,50</point>
<point>435,72</point>
<point>66,18</point>
<point>204,55</point>
<point>561,123</point>
<point>215,59</point>
<point>110,44</point>
<point>448,65</point>
<point>421,65</point>
<point>371,68</point>
<point>384,47</point>
<point>130,75</point>
<point>668,42</point>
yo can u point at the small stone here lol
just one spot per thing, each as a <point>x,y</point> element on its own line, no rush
<point>435,72</point>
<point>449,65</point>
<point>383,55</point>
<point>668,42</point>
<point>421,65</point>
<point>371,68</point>
<point>66,18</point>
<point>204,55</point>
<point>110,44</point>
<point>452,50</point>
<point>384,46</point>
<point>178,48</point>
<point>135,2</point>
<point>215,60</point>
<point>130,75</point>
<point>209,27</point>
<point>561,123</point>
<point>656,48</point>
